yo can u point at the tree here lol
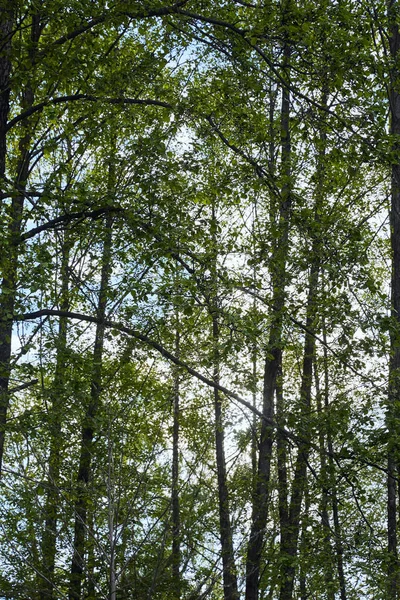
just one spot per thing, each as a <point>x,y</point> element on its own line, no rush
<point>195,345</point>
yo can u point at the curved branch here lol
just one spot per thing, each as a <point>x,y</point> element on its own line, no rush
<point>53,223</point>
<point>148,341</point>
<point>86,98</point>
<point>156,12</point>
<point>297,439</point>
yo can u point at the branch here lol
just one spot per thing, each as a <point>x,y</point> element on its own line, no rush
<point>149,342</point>
<point>23,386</point>
<point>279,78</point>
<point>298,439</point>
<point>314,335</point>
<point>86,98</point>
<point>53,223</point>
<point>261,172</point>
<point>156,12</point>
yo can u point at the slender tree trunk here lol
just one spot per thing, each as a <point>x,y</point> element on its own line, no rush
<point>254,436</point>
<point>304,547</point>
<point>6,26</point>
<point>338,540</point>
<point>228,560</point>
<point>290,534</point>
<point>111,518</point>
<point>335,506</point>
<point>91,561</point>
<point>281,452</point>
<point>327,557</point>
<point>393,411</point>
<point>9,260</point>
<point>254,441</point>
<point>272,361</point>
<point>225,529</point>
<point>89,428</point>
<point>338,546</point>
<point>176,524</point>
<point>52,496</point>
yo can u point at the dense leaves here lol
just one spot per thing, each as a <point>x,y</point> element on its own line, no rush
<point>198,337</point>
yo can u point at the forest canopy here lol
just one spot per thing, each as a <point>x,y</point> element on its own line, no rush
<point>199,299</point>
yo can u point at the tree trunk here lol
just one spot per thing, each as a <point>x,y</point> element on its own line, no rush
<point>290,534</point>
<point>225,529</point>
<point>335,505</point>
<point>304,547</point>
<point>393,412</point>
<point>326,557</point>
<point>89,428</point>
<point>228,559</point>
<point>6,26</point>
<point>57,393</point>
<point>176,524</point>
<point>273,359</point>
<point>9,260</point>
<point>111,518</point>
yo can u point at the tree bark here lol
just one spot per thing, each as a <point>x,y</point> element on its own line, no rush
<point>9,261</point>
<point>228,557</point>
<point>52,497</point>
<point>327,557</point>
<point>273,358</point>
<point>111,520</point>
<point>176,522</point>
<point>89,427</point>
<point>335,504</point>
<point>290,533</point>
<point>6,26</point>
<point>393,412</point>
<point>304,547</point>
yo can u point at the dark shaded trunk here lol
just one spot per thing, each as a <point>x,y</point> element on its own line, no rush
<point>281,451</point>
<point>290,533</point>
<point>327,557</point>
<point>111,521</point>
<point>91,560</point>
<point>9,260</point>
<point>225,528</point>
<point>228,560</point>
<point>332,481</point>
<point>6,26</point>
<point>254,425</point>
<point>393,412</point>
<point>255,422</point>
<point>7,301</point>
<point>304,548</point>
<point>273,359</point>
<point>89,429</point>
<point>176,520</point>
<point>57,395</point>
